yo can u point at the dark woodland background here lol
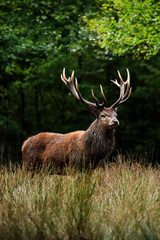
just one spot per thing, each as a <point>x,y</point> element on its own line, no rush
<point>37,40</point>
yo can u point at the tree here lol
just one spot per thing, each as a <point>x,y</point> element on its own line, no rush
<point>130,30</point>
<point>39,38</point>
<point>127,27</point>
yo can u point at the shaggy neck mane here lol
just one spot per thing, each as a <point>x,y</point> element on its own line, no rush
<point>99,142</point>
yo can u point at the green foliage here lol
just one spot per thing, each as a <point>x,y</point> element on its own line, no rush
<point>130,27</point>
<point>39,38</point>
<point>35,41</point>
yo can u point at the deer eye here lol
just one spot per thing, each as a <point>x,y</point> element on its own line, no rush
<point>103,116</point>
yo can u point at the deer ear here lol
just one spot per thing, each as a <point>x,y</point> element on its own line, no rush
<point>116,109</point>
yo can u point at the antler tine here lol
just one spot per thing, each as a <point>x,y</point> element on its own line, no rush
<point>116,82</point>
<point>63,77</point>
<point>127,83</point>
<point>64,73</point>
<point>96,100</point>
<point>120,77</point>
<point>120,97</point>
<point>70,83</point>
<point>104,98</point>
<point>130,91</point>
<point>121,91</point>
<point>72,76</point>
<point>99,105</point>
<point>63,80</point>
<point>125,92</point>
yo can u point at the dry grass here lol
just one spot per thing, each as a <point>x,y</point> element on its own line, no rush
<point>120,202</point>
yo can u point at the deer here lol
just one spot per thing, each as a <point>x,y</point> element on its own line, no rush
<point>84,148</point>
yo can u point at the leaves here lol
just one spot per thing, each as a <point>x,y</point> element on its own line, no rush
<point>39,38</point>
<point>128,27</point>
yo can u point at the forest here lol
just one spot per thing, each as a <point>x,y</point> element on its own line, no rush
<point>93,38</point>
<point>120,198</point>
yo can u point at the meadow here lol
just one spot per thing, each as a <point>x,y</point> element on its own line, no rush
<point>120,201</point>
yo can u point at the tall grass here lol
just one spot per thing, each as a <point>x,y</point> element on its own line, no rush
<point>121,201</point>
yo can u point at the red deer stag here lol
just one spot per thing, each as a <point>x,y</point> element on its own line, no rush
<point>82,147</point>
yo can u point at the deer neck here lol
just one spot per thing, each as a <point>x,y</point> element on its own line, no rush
<point>98,141</point>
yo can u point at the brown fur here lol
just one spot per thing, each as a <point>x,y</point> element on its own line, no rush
<point>79,147</point>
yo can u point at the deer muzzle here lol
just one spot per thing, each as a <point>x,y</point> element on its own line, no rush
<point>116,122</point>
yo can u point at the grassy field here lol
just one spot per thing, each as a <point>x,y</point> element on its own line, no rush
<point>121,201</point>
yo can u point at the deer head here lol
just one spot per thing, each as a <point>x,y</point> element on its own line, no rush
<point>107,117</point>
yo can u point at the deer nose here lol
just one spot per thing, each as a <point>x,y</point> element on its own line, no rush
<point>116,122</point>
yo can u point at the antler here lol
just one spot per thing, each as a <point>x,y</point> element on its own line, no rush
<point>75,91</point>
<point>125,89</point>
